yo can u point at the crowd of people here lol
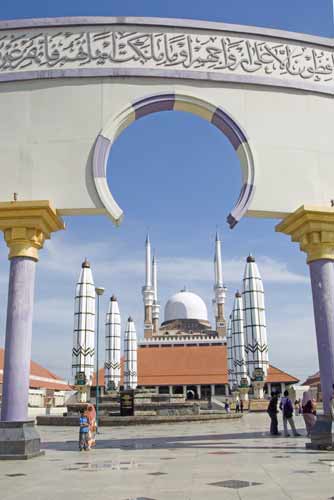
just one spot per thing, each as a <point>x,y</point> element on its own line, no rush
<point>307,408</point>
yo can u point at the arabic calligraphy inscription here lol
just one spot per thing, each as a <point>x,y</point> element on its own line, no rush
<point>49,50</point>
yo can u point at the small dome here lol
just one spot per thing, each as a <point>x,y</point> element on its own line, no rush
<point>85,264</point>
<point>185,305</point>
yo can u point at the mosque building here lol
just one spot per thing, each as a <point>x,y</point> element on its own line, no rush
<point>195,354</point>
<point>184,353</point>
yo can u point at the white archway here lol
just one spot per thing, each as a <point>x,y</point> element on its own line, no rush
<point>169,102</point>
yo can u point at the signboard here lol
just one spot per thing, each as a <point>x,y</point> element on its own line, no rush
<point>111,386</point>
<point>258,375</point>
<point>80,378</point>
<point>244,382</point>
<point>127,399</point>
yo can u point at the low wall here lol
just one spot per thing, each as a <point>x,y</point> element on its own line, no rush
<point>137,420</point>
<point>145,403</point>
<point>57,410</point>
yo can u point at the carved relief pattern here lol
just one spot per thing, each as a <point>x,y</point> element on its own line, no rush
<point>47,50</point>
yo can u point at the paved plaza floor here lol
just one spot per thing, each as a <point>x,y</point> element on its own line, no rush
<point>234,459</point>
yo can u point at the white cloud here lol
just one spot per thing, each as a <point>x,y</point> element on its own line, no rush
<point>274,271</point>
<point>193,269</point>
<point>64,257</point>
<point>292,341</point>
<point>57,311</point>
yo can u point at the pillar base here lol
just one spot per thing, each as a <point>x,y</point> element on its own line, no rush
<point>321,434</point>
<point>19,441</point>
<point>243,391</point>
<point>258,390</point>
<point>83,394</point>
<point>235,395</point>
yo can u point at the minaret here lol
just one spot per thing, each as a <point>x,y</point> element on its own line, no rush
<point>238,341</point>
<point>156,305</point>
<point>230,369</point>
<point>255,325</point>
<point>83,352</point>
<point>130,356</point>
<point>219,289</point>
<point>148,293</point>
<point>112,365</point>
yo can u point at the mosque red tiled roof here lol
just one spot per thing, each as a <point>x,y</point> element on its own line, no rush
<point>185,365</point>
<point>277,375</point>
<point>40,377</point>
<point>313,380</point>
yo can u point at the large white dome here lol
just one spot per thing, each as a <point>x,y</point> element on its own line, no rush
<point>185,305</point>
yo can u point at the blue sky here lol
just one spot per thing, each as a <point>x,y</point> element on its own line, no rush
<point>176,176</point>
<point>305,16</point>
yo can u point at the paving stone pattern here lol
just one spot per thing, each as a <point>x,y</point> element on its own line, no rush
<point>231,459</point>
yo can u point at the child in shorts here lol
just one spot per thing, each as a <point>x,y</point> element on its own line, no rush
<point>83,431</point>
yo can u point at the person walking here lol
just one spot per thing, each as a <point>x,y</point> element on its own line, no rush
<point>237,406</point>
<point>272,412</point>
<point>210,400</point>
<point>297,407</point>
<point>241,405</point>
<point>309,411</point>
<point>227,406</point>
<point>83,431</point>
<point>287,413</point>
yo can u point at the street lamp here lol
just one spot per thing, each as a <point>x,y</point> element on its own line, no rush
<point>99,291</point>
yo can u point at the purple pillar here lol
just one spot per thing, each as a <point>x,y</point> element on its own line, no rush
<point>322,280</point>
<point>18,339</point>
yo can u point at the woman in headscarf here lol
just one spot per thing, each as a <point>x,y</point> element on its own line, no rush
<point>91,415</point>
<point>309,411</point>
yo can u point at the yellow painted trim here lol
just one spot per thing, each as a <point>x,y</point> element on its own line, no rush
<point>266,214</point>
<point>130,118</point>
<point>26,225</point>
<point>313,228</point>
<point>194,108</point>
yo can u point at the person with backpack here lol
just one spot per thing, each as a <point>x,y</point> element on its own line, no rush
<point>287,412</point>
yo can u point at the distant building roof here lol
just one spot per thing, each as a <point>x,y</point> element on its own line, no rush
<point>277,375</point>
<point>40,377</point>
<point>313,380</point>
<point>185,365</point>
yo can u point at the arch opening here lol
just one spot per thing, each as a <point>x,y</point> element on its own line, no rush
<point>174,102</point>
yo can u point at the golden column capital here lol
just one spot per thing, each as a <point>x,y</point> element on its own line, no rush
<point>26,225</point>
<point>313,228</point>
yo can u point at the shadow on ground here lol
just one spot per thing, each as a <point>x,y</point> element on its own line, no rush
<point>218,442</point>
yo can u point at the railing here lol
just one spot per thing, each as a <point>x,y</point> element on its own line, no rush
<point>189,339</point>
